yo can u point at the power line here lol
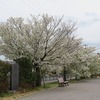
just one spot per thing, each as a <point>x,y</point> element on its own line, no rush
<point>35,6</point>
<point>8,9</point>
<point>29,6</point>
<point>39,6</point>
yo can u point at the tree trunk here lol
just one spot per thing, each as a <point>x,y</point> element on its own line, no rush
<point>38,77</point>
<point>43,82</point>
<point>64,73</point>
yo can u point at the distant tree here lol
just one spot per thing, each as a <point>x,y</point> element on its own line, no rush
<point>84,62</point>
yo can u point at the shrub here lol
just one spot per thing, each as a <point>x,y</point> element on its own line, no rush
<point>26,75</point>
<point>4,69</point>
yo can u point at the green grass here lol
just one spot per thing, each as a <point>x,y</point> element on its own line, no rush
<point>73,81</point>
<point>5,94</point>
<point>51,85</point>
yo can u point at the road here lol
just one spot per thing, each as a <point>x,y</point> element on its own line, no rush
<point>83,90</point>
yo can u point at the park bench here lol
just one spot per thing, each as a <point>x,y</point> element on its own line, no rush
<point>61,82</point>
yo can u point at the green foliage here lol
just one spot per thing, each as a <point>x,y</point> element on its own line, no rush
<point>4,69</point>
<point>8,94</point>
<point>26,75</point>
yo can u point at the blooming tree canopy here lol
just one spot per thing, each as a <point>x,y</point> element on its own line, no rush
<point>41,39</point>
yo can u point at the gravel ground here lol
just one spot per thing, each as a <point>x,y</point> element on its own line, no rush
<point>83,90</point>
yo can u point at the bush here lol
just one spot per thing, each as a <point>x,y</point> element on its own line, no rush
<point>4,69</point>
<point>26,75</point>
<point>3,86</point>
<point>25,85</point>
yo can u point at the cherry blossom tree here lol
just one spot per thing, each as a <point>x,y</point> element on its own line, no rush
<point>42,40</point>
<point>84,63</point>
<point>45,42</point>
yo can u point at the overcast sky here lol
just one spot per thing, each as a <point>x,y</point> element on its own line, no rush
<point>85,12</point>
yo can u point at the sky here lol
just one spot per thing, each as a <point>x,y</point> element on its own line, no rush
<point>85,12</point>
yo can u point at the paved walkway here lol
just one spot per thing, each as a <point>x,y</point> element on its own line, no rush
<point>84,90</point>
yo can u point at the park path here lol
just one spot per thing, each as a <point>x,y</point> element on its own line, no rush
<point>83,90</point>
